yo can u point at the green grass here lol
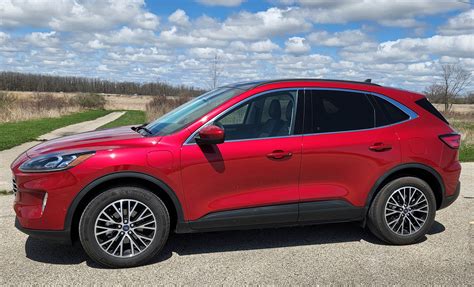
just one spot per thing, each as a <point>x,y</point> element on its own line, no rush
<point>5,192</point>
<point>13,134</point>
<point>466,128</point>
<point>466,153</point>
<point>129,118</point>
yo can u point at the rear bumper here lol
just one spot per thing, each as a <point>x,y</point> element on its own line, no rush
<point>448,200</point>
<point>57,236</point>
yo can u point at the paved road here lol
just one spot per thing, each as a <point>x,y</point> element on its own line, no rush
<point>9,155</point>
<point>337,253</point>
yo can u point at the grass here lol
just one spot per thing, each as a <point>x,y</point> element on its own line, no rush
<point>16,133</point>
<point>5,192</point>
<point>464,123</point>
<point>129,118</point>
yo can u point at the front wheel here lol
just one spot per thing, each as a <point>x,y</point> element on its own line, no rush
<point>403,211</point>
<point>124,227</point>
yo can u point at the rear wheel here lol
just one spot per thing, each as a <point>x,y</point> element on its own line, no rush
<point>124,227</point>
<point>403,211</point>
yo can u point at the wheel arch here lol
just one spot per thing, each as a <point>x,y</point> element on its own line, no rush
<point>424,172</point>
<point>97,186</point>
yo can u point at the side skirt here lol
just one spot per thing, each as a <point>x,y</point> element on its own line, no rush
<point>306,213</point>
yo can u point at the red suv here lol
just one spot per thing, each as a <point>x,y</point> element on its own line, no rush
<point>248,155</point>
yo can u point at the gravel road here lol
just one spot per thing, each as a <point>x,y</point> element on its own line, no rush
<point>324,254</point>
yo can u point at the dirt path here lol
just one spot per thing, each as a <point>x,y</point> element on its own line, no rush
<point>9,155</point>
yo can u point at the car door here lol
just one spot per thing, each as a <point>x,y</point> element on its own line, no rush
<point>253,176</point>
<point>344,153</point>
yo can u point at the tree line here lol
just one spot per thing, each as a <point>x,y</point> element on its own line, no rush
<point>13,81</point>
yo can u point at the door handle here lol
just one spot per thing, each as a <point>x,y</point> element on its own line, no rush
<point>378,147</point>
<point>279,154</point>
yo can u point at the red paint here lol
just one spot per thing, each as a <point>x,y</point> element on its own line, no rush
<point>244,173</point>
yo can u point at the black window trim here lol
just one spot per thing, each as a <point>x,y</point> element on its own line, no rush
<point>411,114</point>
<point>188,141</point>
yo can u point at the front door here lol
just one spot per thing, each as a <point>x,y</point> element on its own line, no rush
<point>254,174</point>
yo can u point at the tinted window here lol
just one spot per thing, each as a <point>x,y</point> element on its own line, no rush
<point>387,113</point>
<point>269,115</point>
<point>425,104</point>
<point>335,111</point>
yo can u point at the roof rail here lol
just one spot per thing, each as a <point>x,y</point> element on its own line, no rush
<point>366,82</point>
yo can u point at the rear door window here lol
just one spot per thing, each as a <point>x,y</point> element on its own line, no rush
<point>337,111</point>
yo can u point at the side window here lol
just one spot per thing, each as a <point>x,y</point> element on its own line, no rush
<point>336,111</point>
<point>386,113</point>
<point>269,115</point>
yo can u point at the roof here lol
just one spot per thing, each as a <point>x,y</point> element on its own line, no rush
<point>252,84</point>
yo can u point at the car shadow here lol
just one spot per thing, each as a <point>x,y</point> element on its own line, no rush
<point>225,241</point>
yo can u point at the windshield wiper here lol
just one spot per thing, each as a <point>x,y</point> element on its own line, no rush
<point>142,128</point>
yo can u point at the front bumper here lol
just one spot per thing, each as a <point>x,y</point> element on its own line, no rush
<point>448,200</point>
<point>57,236</point>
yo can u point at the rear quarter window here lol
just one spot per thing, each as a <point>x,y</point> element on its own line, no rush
<point>387,113</point>
<point>427,106</point>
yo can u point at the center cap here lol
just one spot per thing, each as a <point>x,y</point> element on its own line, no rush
<point>126,228</point>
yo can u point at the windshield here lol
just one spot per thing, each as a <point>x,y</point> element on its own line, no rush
<point>191,111</point>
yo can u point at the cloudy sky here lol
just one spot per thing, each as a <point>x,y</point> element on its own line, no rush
<point>396,43</point>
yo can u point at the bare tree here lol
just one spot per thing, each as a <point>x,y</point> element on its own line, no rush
<point>434,93</point>
<point>454,80</point>
<point>215,71</point>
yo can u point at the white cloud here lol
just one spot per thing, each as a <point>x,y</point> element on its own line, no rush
<point>460,24</point>
<point>385,12</point>
<point>66,15</point>
<point>4,37</point>
<point>129,36</point>
<point>227,3</point>
<point>43,39</point>
<point>253,26</point>
<point>297,46</point>
<point>413,49</point>
<point>179,17</point>
<point>338,39</point>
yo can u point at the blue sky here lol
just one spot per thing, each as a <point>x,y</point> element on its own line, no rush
<point>396,43</point>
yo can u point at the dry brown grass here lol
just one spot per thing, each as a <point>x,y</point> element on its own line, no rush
<point>14,107</point>
<point>159,106</point>
<point>463,123</point>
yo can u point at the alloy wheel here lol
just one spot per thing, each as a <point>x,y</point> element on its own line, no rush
<point>125,228</point>
<point>406,210</point>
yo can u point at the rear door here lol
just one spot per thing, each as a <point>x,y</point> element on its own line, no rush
<point>344,153</point>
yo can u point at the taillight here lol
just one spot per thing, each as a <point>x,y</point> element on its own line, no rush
<point>451,140</point>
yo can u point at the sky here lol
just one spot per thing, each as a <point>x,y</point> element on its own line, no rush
<point>395,43</point>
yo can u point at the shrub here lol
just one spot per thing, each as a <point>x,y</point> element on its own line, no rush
<point>89,101</point>
<point>6,100</point>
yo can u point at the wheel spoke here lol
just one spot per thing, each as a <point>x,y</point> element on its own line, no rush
<point>406,210</point>
<point>132,235</point>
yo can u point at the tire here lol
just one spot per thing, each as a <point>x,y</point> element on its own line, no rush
<point>395,223</point>
<point>143,233</point>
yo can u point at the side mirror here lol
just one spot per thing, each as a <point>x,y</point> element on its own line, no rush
<point>211,135</point>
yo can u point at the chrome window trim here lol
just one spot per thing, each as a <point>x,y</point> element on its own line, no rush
<point>411,114</point>
<point>187,141</point>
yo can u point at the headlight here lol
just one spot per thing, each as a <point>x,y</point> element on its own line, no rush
<point>54,162</point>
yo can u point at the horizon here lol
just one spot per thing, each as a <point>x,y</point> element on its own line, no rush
<point>396,44</point>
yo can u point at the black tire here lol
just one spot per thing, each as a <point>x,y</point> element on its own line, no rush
<point>377,222</point>
<point>99,203</point>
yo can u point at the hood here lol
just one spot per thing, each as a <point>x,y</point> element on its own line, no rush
<point>110,138</point>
